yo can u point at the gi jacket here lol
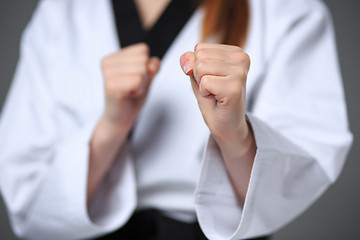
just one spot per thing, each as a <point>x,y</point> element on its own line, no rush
<point>295,105</point>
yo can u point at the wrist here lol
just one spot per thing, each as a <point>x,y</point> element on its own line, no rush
<point>239,144</point>
<point>107,132</point>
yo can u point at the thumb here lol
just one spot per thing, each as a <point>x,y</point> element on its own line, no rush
<point>187,63</point>
<point>153,67</point>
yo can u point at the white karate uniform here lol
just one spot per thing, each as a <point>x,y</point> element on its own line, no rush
<point>295,104</point>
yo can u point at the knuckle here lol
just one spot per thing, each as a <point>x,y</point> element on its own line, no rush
<point>238,58</point>
<point>200,54</point>
<point>200,67</point>
<point>246,59</point>
<point>241,58</point>
<point>203,87</point>
<point>241,73</point>
<point>235,48</point>
<point>204,82</point>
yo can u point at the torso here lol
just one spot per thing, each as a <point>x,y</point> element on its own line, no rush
<point>170,134</point>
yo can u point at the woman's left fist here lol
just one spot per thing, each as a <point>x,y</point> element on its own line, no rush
<point>218,76</point>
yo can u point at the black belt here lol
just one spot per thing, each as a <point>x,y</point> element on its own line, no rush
<point>153,225</point>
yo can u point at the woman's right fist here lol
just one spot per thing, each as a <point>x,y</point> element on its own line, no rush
<point>127,74</point>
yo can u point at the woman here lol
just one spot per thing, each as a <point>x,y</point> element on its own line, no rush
<point>90,148</point>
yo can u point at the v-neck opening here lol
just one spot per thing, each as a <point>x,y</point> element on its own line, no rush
<point>163,32</point>
<point>146,31</point>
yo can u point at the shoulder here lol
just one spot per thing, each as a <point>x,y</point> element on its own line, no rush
<point>53,16</point>
<point>280,14</point>
<point>46,21</point>
<point>273,20</point>
<point>289,7</point>
<point>67,23</point>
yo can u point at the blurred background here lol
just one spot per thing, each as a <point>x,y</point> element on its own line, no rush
<point>337,214</point>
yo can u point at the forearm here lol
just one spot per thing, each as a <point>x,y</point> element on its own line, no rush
<point>238,156</point>
<point>105,144</point>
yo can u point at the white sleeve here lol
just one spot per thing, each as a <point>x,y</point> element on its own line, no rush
<point>300,125</point>
<point>43,179</point>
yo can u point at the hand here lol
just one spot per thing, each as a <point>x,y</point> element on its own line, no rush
<point>218,76</point>
<point>127,75</point>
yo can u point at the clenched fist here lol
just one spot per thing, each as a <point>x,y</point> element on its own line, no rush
<point>218,76</point>
<point>127,75</point>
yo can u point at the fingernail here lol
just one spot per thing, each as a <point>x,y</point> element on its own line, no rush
<point>187,68</point>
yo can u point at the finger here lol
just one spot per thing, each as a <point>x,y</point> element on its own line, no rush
<point>131,69</point>
<point>206,102</point>
<point>137,52</point>
<point>187,63</point>
<point>222,88</point>
<point>211,85</point>
<point>234,58</point>
<point>136,48</point>
<point>128,60</point>
<point>153,67</point>
<point>224,47</point>
<point>195,87</point>
<point>211,67</point>
<point>130,51</point>
<point>124,62</point>
<point>129,86</point>
<point>212,53</point>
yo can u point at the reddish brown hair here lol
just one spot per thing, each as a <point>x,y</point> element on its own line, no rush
<point>228,20</point>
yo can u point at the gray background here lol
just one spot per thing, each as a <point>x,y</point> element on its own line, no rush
<point>337,214</point>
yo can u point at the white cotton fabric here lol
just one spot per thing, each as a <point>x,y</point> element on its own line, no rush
<point>295,105</point>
